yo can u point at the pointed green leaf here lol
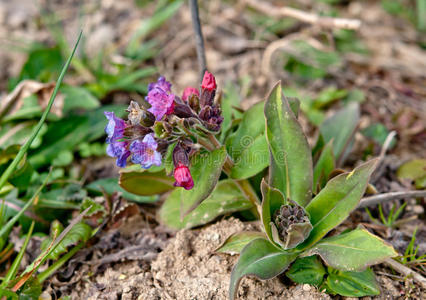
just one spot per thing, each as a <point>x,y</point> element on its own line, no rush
<point>144,183</point>
<point>272,199</point>
<point>352,284</point>
<point>262,259</point>
<point>236,242</point>
<point>324,166</point>
<point>340,128</point>
<point>226,198</point>
<point>247,146</point>
<point>206,168</point>
<point>307,270</point>
<point>296,234</point>
<point>110,186</point>
<point>352,251</point>
<point>338,198</point>
<point>290,156</point>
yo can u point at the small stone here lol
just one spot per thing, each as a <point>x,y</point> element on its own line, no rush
<point>122,277</point>
<point>306,287</point>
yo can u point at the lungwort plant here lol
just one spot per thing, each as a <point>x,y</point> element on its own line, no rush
<point>216,154</point>
<point>295,224</point>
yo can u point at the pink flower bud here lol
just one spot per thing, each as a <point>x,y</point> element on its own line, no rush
<point>188,92</point>
<point>209,82</point>
<point>183,177</point>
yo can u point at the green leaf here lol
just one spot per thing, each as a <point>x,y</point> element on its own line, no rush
<point>43,64</point>
<point>168,159</point>
<point>61,136</point>
<point>378,133</point>
<point>144,183</point>
<point>324,166</point>
<point>110,186</point>
<point>206,168</point>
<point>272,199</point>
<point>21,178</point>
<point>340,128</point>
<point>327,96</point>
<point>228,98</point>
<point>68,133</point>
<point>291,160</point>
<point>412,170</point>
<point>148,25</point>
<point>78,98</point>
<point>6,174</point>
<point>262,259</point>
<point>31,290</point>
<point>352,251</point>
<point>247,146</point>
<point>307,270</point>
<point>226,198</point>
<point>236,242</point>
<point>338,198</point>
<point>79,232</point>
<point>352,284</point>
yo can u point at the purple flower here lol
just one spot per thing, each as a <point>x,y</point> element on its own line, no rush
<point>115,131</point>
<point>162,83</point>
<point>162,103</point>
<point>120,151</point>
<point>115,127</point>
<point>145,152</point>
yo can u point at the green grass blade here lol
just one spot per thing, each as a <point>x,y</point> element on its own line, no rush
<point>11,168</point>
<point>59,263</point>
<point>41,259</point>
<point>12,221</point>
<point>14,268</point>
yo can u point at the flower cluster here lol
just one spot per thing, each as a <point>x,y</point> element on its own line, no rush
<point>165,120</point>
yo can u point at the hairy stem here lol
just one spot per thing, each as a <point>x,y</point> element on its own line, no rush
<point>199,42</point>
<point>243,184</point>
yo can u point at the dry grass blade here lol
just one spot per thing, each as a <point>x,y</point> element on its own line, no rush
<point>376,199</point>
<point>406,271</point>
<point>326,22</point>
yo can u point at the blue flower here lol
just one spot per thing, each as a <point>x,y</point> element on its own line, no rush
<point>120,151</point>
<point>145,152</point>
<point>115,134</point>
<point>115,127</point>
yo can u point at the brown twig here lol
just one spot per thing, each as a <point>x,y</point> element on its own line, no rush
<point>406,271</point>
<point>376,199</point>
<point>326,22</point>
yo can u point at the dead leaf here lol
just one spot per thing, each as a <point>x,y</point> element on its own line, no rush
<point>14,101</point>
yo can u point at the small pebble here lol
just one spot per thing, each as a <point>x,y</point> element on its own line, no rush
<point>306,287</point>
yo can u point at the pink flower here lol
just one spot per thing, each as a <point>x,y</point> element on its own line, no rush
<point>183,177</point>
<point>162,103</point>
<point>209,82</point>
<point>188,92</point>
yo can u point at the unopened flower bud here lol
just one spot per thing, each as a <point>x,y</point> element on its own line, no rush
<point>188,92</point>
<point>287,215</point>
<point>183,111</point>
<point>211,115</point>
<point>181,173</point>
<point>209,82</point>
<point>194,102</point>
<point>208,90</point>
